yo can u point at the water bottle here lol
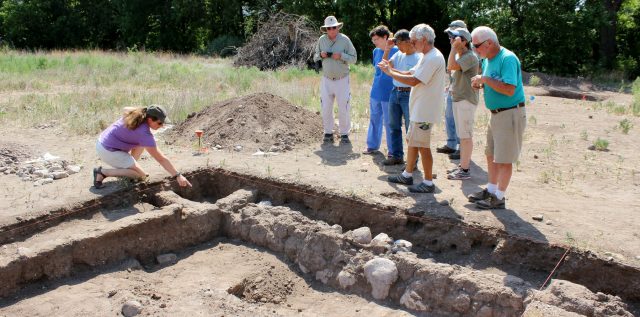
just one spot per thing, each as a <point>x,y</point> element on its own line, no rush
<point>531,99</point>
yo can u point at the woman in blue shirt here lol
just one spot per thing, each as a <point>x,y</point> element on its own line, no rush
<point>380,91</point>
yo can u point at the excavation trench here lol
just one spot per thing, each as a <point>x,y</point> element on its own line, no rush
<point>454,269</point>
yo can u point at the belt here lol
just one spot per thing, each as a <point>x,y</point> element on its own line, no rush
<point>405,89</point>
<point>336,78</point>
<point>494,111</point>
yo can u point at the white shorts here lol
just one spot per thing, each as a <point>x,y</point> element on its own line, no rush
<point>117,159</point>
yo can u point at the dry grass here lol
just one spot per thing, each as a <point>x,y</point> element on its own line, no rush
<point>67,88</point>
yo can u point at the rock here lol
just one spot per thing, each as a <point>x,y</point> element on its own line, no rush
<point>401,246</point>
<point>165,259</point>
<point>324,276</point>
<point>112,293</point>
<point>549,222</point>
<point>229,120</point>
<point>41,173</point>
<point>444,203</point>
<point>60,175</point>
<point>274,148</point>
<point>218,147</point>
<point>412,300</point>
<point>337,228</point>
<point>538,217</point>
<point>265,203</point>
<point>238,148</point>
<point>155,297</point>
<point>637,257</point>
<point>47,181</point>
<point>131,308</point>
<point>362,235</point>
<point>380,273</point>
<point>346,279</point>
<point>535,156</point>
<point>55,168</point>
<point>73,169</point>
<point>383,237</point>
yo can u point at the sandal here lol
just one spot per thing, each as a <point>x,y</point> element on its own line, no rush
<point>96,183</point>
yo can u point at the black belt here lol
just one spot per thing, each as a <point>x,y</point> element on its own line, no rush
<point>494,111</point>
<point>405,89</point>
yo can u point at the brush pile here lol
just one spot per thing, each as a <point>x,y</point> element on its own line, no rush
<point>281,41</point>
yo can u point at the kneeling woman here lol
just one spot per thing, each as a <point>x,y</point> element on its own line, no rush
<point>122,143</point>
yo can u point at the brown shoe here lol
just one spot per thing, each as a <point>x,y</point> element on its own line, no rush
<point>445,149</point>
<point>491,203</point>
<point>392,160</point>
<point>481,195</point>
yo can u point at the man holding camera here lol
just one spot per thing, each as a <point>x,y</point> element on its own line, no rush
<point>336,52</point>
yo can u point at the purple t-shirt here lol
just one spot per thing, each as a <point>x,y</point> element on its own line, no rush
<point>117,137</point>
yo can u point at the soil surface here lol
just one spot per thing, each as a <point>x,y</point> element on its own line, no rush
<point>197,285</point>
<point>264,120</point>
<point>587,199</point>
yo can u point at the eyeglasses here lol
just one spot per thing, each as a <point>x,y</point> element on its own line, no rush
<point>332,27</point>
<point>477,46</point>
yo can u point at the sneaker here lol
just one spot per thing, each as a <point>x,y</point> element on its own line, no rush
<point>422,188</point>
<point>459,174</point>
<point>369,151</point>
<point>344,139</point>
<point>481,195</point>
<point>399,179</point>
<point>392,160</point>
<point>445,149</point>
<point>449,171</point>
<point>455,155</point>
<point>491,203</point>
<point>328,138</point>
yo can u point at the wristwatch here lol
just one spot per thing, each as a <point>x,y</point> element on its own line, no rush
<point>177,175</point>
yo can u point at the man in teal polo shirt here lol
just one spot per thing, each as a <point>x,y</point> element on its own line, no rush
<point>501,81</point>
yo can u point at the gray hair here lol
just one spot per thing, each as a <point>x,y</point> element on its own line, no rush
<point>423,31</point>
<point>484,33</point>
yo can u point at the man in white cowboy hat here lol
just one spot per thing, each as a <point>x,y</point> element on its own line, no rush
<point>336,52</point>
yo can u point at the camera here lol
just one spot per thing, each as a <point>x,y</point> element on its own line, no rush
<point>329,54</point>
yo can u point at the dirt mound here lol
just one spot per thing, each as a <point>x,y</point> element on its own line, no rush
<point>269,287</point>
<point>267,121</point>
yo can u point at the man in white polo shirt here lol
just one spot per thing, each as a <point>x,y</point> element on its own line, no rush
<point>425,105</point>
<point>336,52</point>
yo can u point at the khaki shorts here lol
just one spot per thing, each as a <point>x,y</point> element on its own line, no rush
<point>117,159</point>
<point>504,135</point>
<point>464,114</point>
<point>417,137</point>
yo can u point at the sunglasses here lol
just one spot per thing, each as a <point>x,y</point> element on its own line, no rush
<point>332,27</point>
<point>477,46</point>
<point>160,122</point>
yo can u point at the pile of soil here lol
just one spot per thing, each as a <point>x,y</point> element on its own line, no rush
<point>272,287</point>
<point>267,121</point>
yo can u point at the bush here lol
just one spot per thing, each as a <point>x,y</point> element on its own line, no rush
<point>534,80</point>
<point>601,144</point>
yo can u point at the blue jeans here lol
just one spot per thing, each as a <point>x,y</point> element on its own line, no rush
<point>398,109</point>
<point>450,124</point>
<point>378,118</point>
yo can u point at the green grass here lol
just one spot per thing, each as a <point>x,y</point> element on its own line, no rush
<point>601,144</point>
<point>85,91</point>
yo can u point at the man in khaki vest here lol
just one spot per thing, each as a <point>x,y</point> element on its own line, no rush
<point>336,52</point>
